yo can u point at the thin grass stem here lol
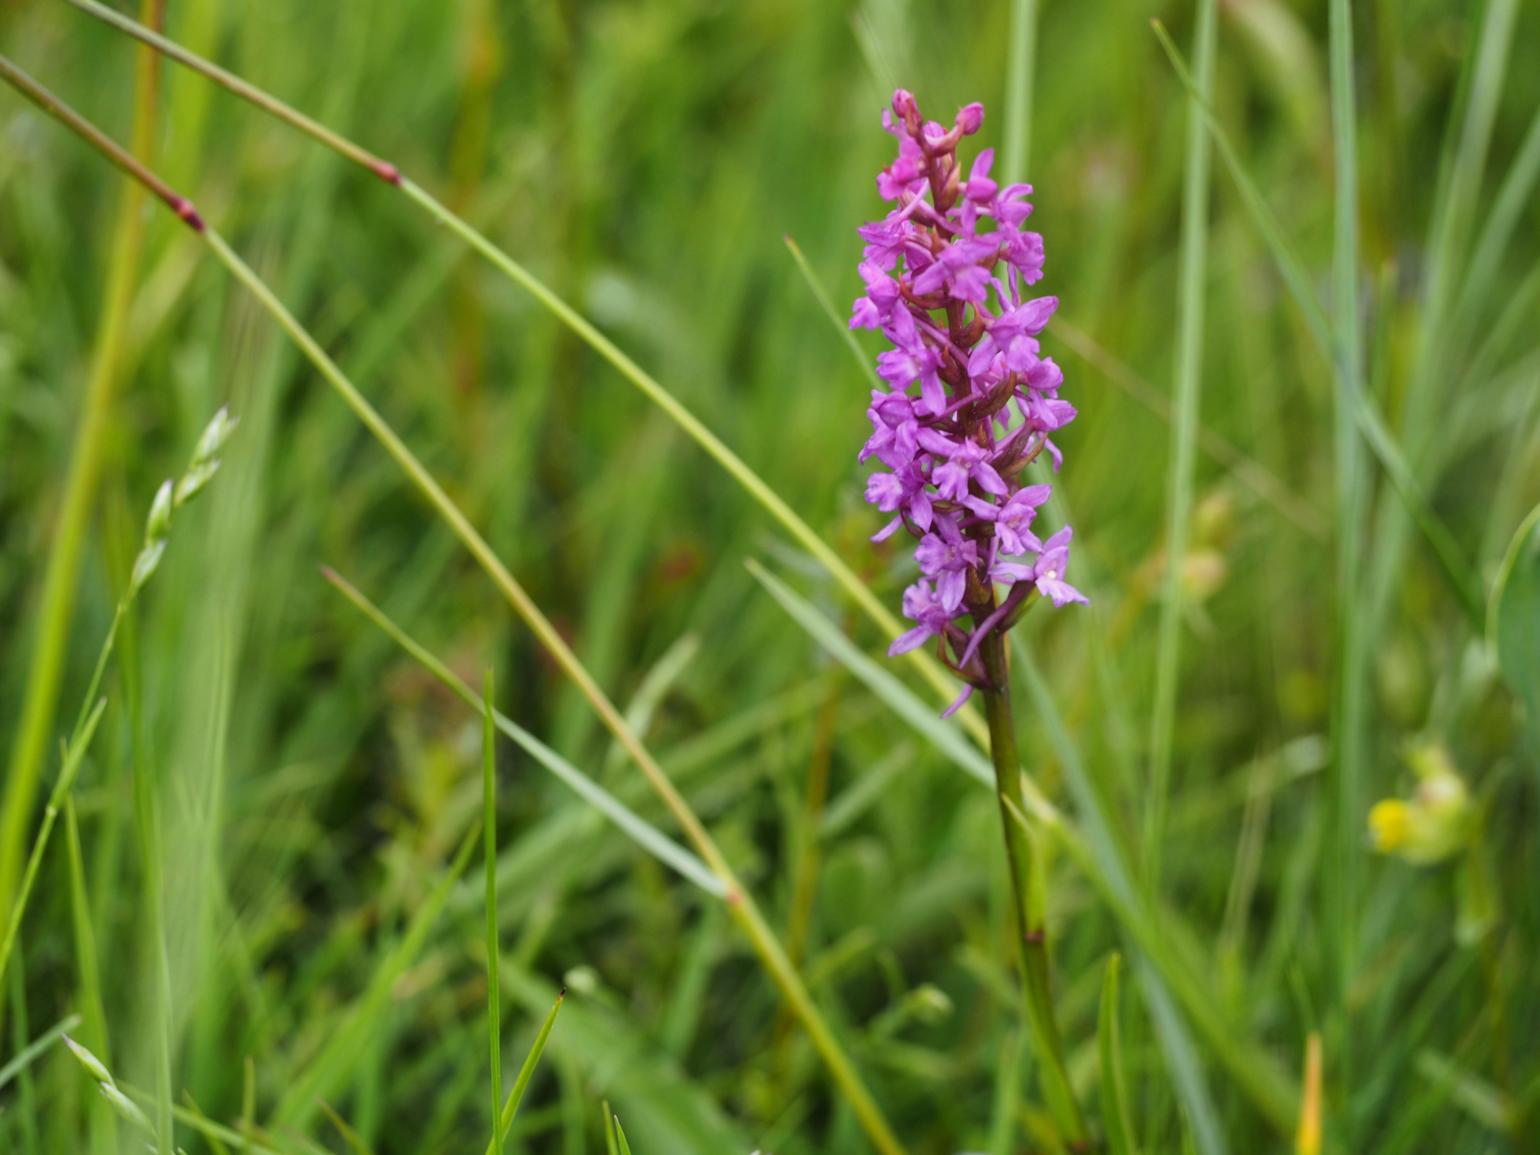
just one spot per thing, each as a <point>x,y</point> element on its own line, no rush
<point>489,853</point>
<point>1349,711</point>
<point>1179,476</point>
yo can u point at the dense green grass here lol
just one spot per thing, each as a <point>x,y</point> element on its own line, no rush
<point>1348,477</point>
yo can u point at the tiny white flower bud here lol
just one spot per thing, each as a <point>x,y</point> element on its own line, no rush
<point>146,563</point>
<point>158,524</point>
<point>215,435</point>
<point>196,477</point>
<point>89,1061</point>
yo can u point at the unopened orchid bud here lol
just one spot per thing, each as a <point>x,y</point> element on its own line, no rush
<point>970,117</point>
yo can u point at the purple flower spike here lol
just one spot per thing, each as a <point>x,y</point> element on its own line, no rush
<point>971,400</point>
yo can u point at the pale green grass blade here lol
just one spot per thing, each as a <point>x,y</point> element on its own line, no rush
<point>638,829</point>
<point>1114,1091</point>
<point>510,1109</point>
<point>1182,462</point>
<point>1515,195</point>
<point>1020,64</point>
<point>620,1138</point>
<point>610,1146</point>
<point>893,693</point>
<point>1346,766</point>
<point>29,1054</point>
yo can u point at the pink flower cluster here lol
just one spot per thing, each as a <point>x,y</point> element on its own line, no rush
<point>970,399</point>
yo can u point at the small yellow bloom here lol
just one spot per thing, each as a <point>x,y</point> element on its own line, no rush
<point>1389,823</point>
<point>1433,824</point>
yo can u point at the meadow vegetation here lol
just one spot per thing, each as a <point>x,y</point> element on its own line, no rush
<point>570,418</point>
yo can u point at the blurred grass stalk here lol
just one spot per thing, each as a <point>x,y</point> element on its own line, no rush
<point>57,602</point>
<point>1346,766</point>
<point>740,904</point>
<point>1179,477</point>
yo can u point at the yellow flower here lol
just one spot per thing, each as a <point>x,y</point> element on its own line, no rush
<point>1433,824</point>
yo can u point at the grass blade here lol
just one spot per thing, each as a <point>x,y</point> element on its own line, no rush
<point>877,678</point>
<point>73,758</point>
<point>25,1057</point>
<point>489,852</point>
<point>527,1071</point>
<point>1179,476</point>
<point>1346,766</point>
<point>1115,1116</point>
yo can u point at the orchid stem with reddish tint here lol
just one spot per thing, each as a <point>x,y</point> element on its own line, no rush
<point>740,904</point>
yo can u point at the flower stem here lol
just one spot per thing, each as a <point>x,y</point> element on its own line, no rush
<point>1027,890</point>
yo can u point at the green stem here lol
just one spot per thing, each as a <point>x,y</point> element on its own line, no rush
<point>1189,371</point>
<point>1026,890</point>
<point>740,904</point>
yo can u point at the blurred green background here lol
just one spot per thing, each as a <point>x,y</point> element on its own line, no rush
<point>646,159</point>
